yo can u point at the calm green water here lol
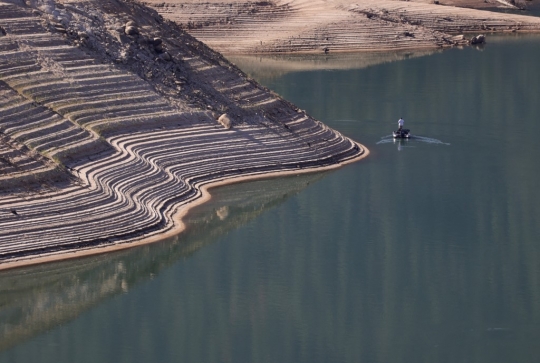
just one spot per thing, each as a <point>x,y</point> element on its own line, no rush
<point>427,251</point>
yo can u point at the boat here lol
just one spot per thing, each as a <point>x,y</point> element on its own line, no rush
<point>402,134</point>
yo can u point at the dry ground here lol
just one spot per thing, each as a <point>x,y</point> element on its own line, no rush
<point>277,26</point>
<point>109,132</point>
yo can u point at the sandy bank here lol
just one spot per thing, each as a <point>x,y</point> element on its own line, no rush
<point>109,133</point>
<point>316,26</point>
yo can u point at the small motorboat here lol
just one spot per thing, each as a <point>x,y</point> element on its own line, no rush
<point>402,134</point>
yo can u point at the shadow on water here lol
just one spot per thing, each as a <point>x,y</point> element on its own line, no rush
<point>38,298</point>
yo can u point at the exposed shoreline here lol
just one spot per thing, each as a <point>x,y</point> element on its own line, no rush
<point>110,134</point>
<point>235,27</point>
<point>179,225</point>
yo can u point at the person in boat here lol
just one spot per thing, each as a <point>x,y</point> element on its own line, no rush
<point>401,122</point>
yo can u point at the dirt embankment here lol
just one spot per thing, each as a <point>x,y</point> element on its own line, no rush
<point>314,26</point>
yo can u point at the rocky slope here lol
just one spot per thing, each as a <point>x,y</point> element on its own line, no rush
<point>314,26</point>
<point>108,126</point>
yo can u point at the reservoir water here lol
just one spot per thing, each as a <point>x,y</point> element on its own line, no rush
<point>426,251</point>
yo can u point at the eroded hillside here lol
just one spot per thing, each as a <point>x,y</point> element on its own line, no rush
<point>108,125</point>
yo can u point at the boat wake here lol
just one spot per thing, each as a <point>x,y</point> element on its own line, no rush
<point>430,140</point>
<point>390,139</point>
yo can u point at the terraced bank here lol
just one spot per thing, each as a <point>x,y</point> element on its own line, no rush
<point>317,26</point>
<point>106,139</point>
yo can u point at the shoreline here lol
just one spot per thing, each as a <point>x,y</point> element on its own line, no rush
<point>178,223</point>
<point>135,117</point>
<point>236,27</point>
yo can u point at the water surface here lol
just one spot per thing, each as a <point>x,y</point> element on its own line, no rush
<point>423,252</point>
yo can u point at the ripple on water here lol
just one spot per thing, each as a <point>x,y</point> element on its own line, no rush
<point>428,140</point>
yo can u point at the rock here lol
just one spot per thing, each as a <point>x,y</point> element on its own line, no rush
<point>65,15</point>
<point>222,212</point>
<point>53,19</point>
<point>144,56</point>
<point>131,30</point>
<point>158,48</point>
<point>121,37</point>
<point>436,2</point>
<point>47,9</point>
<point>225,120</point>
<point>82,35</point>
<point>120,29</point>
<point>156,42</point>
<point>142,41</point>
<point>479,39</point>
<point>165,56</point>
<point>131,23</point>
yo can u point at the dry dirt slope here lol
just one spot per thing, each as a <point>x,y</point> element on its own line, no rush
<point>106,136</point>
<point>246,27</point>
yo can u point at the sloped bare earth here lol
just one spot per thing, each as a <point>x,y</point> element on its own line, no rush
<point>125,128</point>
<point>274,26</point>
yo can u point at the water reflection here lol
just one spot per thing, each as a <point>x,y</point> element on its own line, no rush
<point>266,67</point>
<point>531,9</point>
<point>37,298</point>
<point>389,139</point>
